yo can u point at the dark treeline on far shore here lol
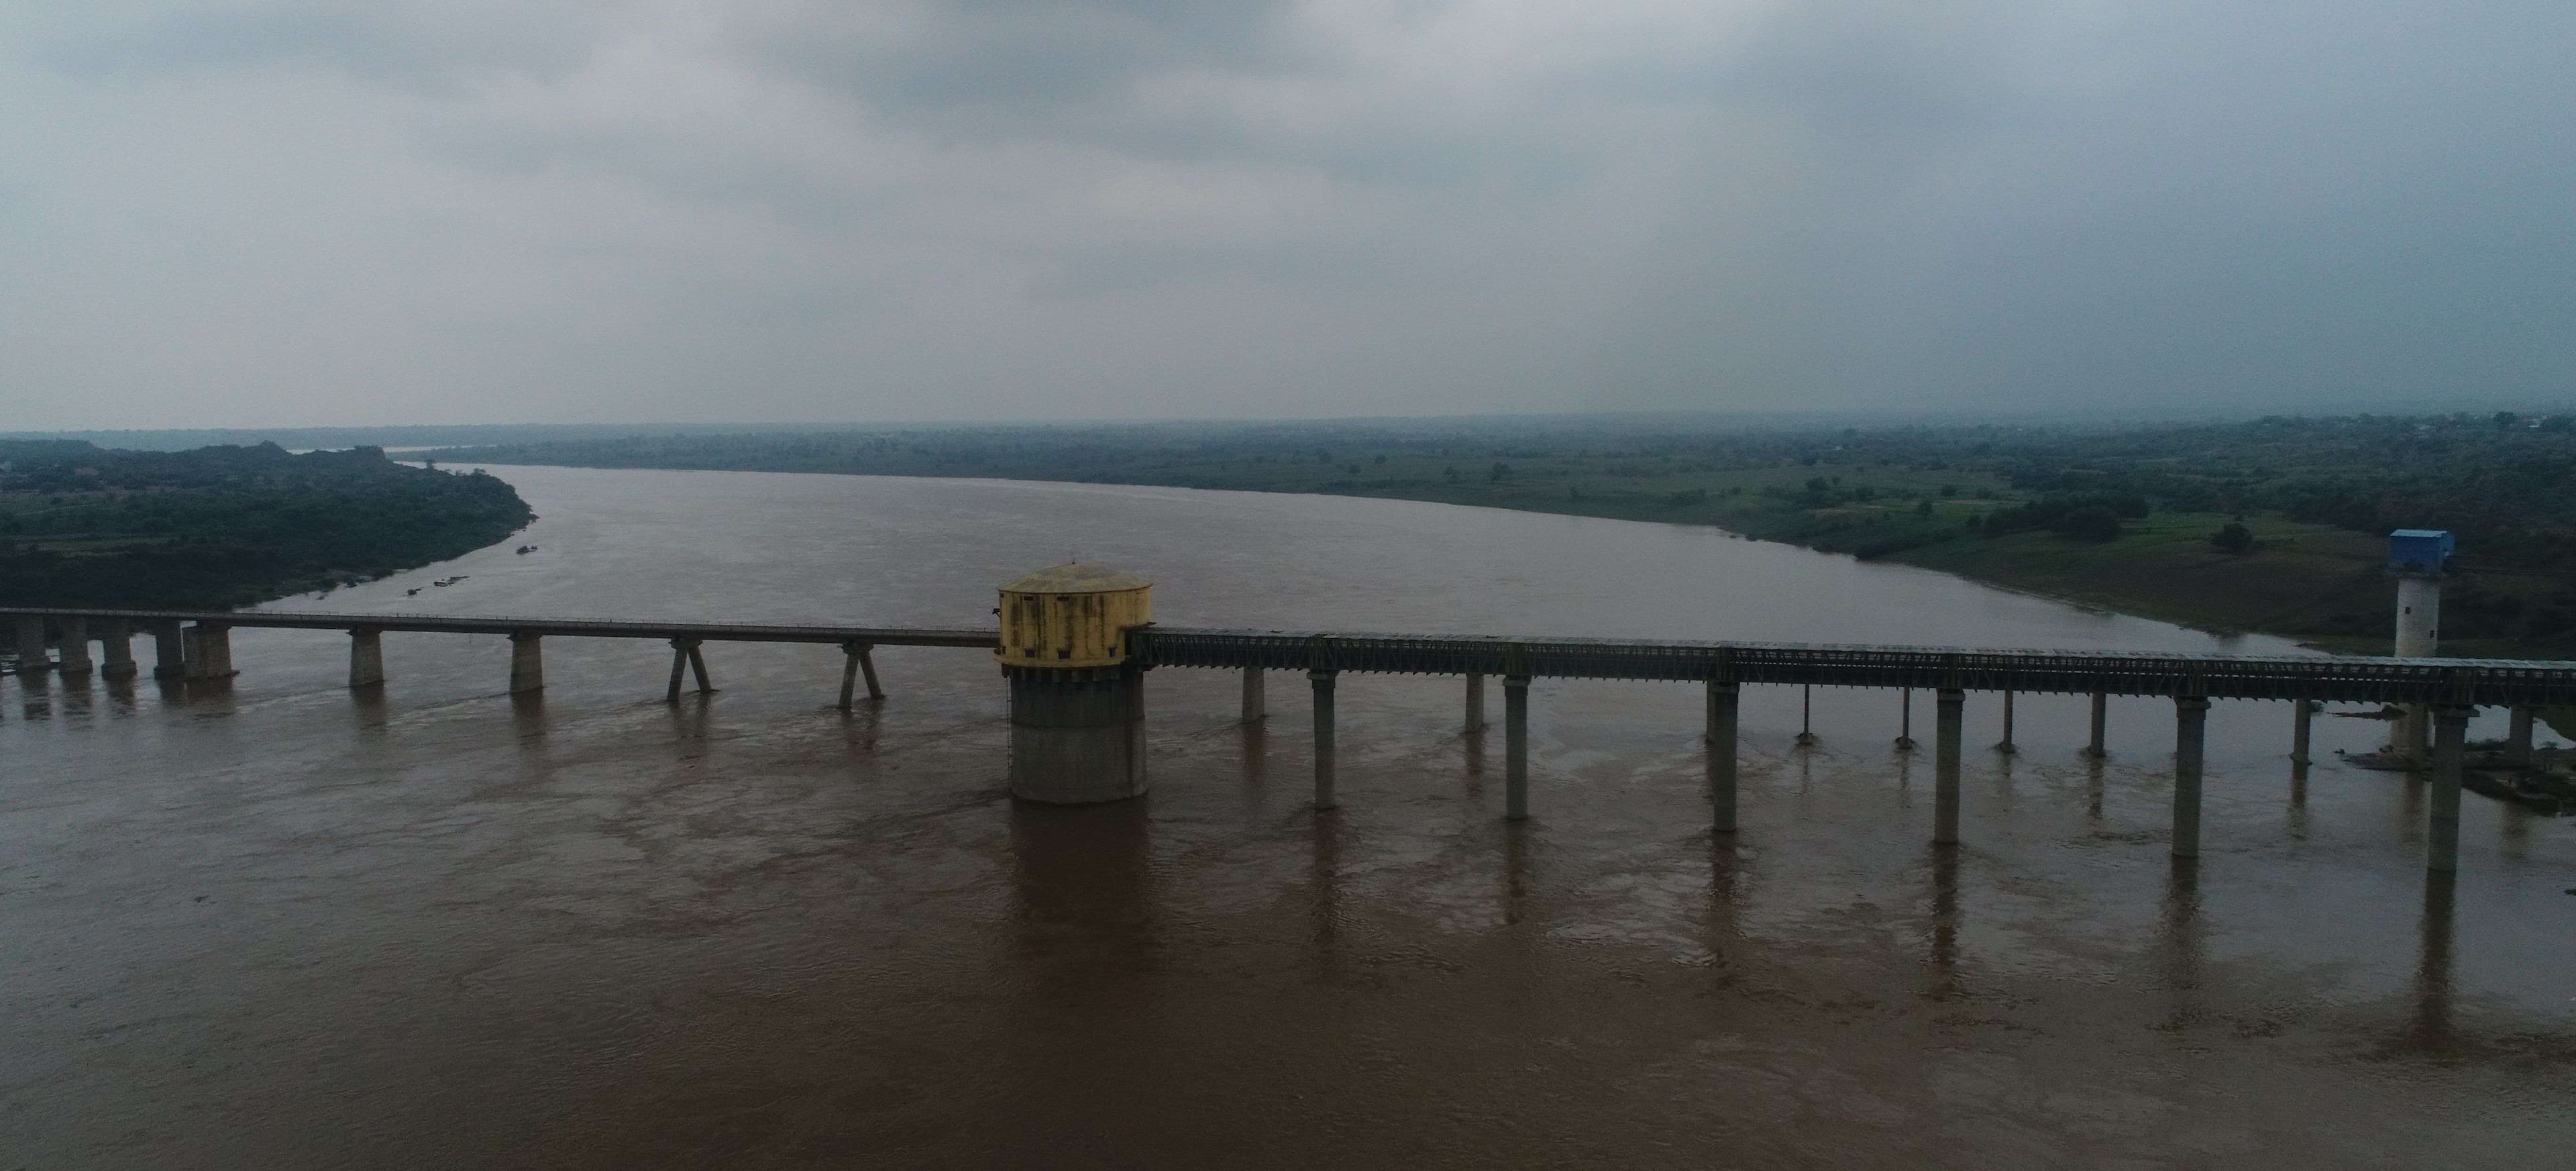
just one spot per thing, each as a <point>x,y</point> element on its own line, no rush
<point>2272,524</point>
<point>224,526</point>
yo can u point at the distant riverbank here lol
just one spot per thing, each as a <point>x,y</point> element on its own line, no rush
<point>2275,526</point>
<point>219,527</point>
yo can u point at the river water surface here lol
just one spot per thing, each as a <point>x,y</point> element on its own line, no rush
<point>276,924</point>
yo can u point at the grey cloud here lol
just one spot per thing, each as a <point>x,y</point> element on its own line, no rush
<point>1013,208</point>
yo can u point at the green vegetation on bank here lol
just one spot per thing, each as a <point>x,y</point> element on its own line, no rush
<point>2276,525</point>
<point>226,526</point>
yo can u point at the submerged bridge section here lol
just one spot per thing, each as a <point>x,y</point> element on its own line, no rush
<point>196,646</point>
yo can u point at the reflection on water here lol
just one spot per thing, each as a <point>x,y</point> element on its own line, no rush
<point>273,922</point>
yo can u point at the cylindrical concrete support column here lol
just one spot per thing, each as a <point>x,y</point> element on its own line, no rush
<point>1905,720</point>
<point>527,662</point>
<point>2101,724</point>
<point>169,651</point>
<point>2419,616</point>
<point>1077,737</point>
<point>207,650</point>
<point>2517,738</point>
<point>2006,744</point>
<point>1475,703</point>
<point>2442,827</point>
<point>366,657</point>
<point>1256,696</point>
<point>116,644</point>
<point>74,644</point>
<point>1516,747</point>
<point>1724,706</point>
<point>1948,725</point>
<point>1322,682</point>
<point>32,659</point>
<point>2302,719</point>
<point>2191,728</point>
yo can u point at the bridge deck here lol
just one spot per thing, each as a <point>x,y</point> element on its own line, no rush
<point>2318,677</point>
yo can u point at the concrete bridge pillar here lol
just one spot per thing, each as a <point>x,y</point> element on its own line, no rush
<point>116,644</point>
<point>1322,682</point>
<point>169,650</point>
<point>2442,828</point>
<point>2303,715</point>
<point>1077,737</point>
<point>32,659</point>
<point>366,657</point>
<point>2101,724</point>
<point>1948,726</point>
<point>1905,720</point>
<point>75,646</point>
<point>857,659</point>
<point>685,655</point>
<point>1516,747</point>
<point>1724,706</point>
<point>2191,733</point>
<point>1475,703</point>
<point>2006,745</point>
<point>1256,696</point>
<point>2517,739</point>
<point>207,652</point>
<point>527,662</point>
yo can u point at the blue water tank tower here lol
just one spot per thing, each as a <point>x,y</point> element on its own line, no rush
<point>2420,550</point>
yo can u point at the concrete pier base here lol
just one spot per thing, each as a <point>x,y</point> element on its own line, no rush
<point>1516,747</point>
<point>858,659</point>
<point>32,658</point>
<point>1725,703</point>
<point>2191,734</point>
<point>207,652</point>
<point>2442,823</point>
<point>2101,724</point>
<point>527,663</point>
<point>1948,725</point>
<point>2006,745</point>
<point>1905,721</point>
<point>1077,737</point>
<point>1475,703</point>
<point>75,646</point>
<point>2412,736</point>
<point>366,658</point>
<point>1322,682</point>
<point>686,656</point>
<point>1807,717</point>
<point>1256,696</point>
<point>169,651</point>
<point>116,647</point>
<point>2517,738</point>
<point>2302,719</point>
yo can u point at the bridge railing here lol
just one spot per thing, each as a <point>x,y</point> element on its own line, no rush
<point>2317,677</point>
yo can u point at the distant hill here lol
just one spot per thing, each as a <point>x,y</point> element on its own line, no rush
<point>82,525</point>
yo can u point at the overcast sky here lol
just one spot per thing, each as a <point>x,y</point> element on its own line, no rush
<point>270,213</point>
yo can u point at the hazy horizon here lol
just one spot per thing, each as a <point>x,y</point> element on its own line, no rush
<point>262,214</point>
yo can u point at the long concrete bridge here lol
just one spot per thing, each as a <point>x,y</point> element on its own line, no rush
<point>196,646</point>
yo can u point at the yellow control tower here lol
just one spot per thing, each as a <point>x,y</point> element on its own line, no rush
<point>1077,702</point>
<point>1072,615</point>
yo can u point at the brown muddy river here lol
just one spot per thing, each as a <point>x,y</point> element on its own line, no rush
<point>279,926</point>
